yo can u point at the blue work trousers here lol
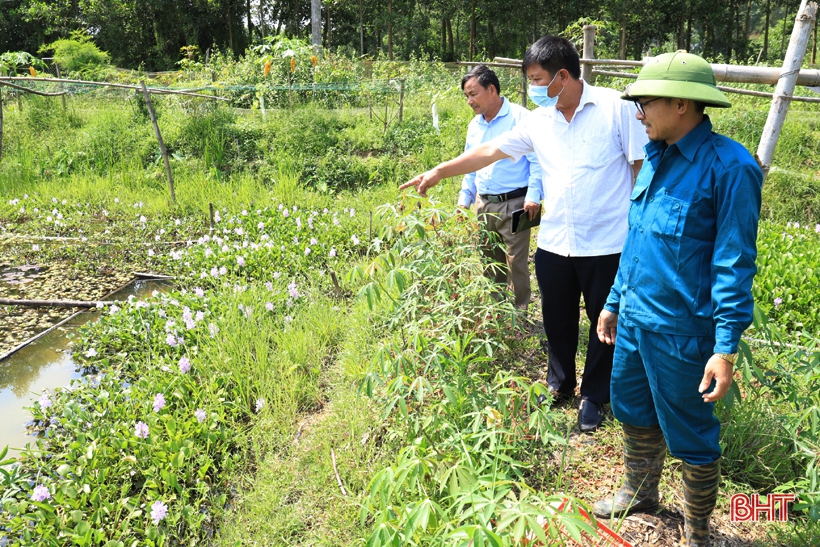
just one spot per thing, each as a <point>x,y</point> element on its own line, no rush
<point>655,379</point>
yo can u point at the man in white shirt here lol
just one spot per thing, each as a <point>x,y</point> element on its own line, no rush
<point>590,148</point>
<point>501,188</point>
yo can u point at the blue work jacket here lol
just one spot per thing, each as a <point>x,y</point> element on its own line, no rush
<point>689,257</point>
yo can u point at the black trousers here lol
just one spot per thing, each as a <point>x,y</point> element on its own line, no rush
<point>562,280</point>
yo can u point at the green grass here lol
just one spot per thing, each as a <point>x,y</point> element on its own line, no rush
<point>294,498</point>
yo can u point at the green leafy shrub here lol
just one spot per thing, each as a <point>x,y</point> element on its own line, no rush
<point>78,55</point>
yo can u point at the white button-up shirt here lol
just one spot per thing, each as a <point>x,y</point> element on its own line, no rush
<point>586,168</point>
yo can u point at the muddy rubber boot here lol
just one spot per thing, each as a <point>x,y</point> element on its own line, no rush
<point>700,491</point>
<point>644,454</point>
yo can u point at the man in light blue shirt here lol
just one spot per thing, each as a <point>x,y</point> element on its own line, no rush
<point>500,188</point>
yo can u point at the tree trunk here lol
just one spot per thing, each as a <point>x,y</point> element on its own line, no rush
<point>785,19</point>
<point>262,19</point>
<point>390,30</point>
<point>361,29</point>
<point>689,32</point>
<point>230,28</point>
<point>326,32</point>
<point>443,38</point>
<point>765,53</point>
<point>730,32</point>
<point>452,52</point>
<point>472,31</point>
<point>491,34</point>
<point>250,21</point>
<point>682,27</point>
<point>316,25</point>
<point>622,44</point>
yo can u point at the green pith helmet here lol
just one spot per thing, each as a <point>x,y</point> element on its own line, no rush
<point>678,75</point>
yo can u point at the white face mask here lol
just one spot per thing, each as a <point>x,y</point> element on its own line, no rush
<point>540,94</point>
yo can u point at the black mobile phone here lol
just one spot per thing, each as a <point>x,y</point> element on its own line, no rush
<point>521,220</point>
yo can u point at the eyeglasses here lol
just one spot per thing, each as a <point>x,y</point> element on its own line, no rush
<point>641,105</point>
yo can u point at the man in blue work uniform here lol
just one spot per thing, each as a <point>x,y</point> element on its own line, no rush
<point>501,188</point>
<point>682,296</point>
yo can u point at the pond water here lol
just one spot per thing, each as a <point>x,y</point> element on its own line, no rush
<point>47,363</point>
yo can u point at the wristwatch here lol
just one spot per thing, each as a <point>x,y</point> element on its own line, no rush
<point>731,357</point>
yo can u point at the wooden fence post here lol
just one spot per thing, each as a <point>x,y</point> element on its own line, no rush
<point>57,67</point>
<point>162,149</point>
<point>589,53</point>
<point>786,84</point>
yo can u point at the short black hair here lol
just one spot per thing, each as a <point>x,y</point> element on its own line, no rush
<point>485,77</point>
<point>552,54</point>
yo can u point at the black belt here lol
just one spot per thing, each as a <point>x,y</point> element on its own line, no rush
<point>498,198</point>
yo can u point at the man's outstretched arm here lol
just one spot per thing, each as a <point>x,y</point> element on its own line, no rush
<point>470,161</point>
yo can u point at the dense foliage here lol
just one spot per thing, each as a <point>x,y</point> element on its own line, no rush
<point>151,33</point>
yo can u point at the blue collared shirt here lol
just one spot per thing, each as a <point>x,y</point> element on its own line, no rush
<point>504,175</point>
<point>689,258</point>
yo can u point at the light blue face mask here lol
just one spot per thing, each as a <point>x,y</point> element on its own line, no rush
<point>540,95</point>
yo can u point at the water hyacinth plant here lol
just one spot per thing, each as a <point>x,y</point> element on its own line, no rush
<point>141,449</point>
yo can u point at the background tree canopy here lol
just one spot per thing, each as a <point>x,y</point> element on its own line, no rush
<point>151,33</point>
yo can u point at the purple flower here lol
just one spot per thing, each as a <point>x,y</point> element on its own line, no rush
<point>91,352</point>
<point>313,241</point>
<point>200,415</point>
<point>307,251</point>
<point>294,293</point>
<point>199,292</point>
<point>817,228</point>
<point>141,430</point>
<point>240,260</point>
<point>171,340</point>
<point>332,252</point>
<point>260,404</point>
<point>184,365</point>
<point>159,402</point>
<point>40,493</point>
<point>269,306</point>
<point>45,402</point>
<point>158,511</point>
<point>354,239</point>
<point>286,213</point>
<point>777,302</point>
